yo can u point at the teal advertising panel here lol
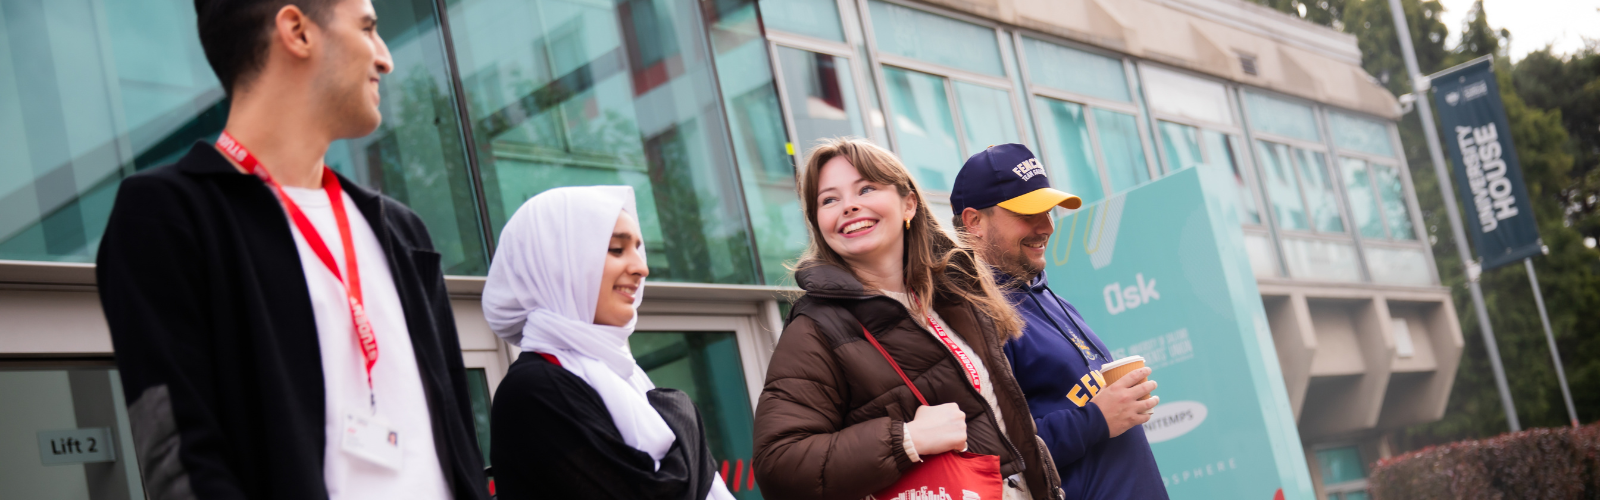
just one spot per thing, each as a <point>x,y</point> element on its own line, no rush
<point>1161,271</point>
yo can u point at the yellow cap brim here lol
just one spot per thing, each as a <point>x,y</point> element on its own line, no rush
<point>1041,200</point>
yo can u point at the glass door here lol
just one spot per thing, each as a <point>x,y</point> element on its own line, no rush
<point>712,360</point>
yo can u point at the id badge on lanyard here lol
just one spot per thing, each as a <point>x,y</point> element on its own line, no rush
<point>367,436</point>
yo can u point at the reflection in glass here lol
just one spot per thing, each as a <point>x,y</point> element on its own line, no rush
<point>986,116</point>
<point>1391,193</point>
<point>706,367</point>
<point>417,156</point>
<point>1359,133</point>
<point>569,92</point>
<point>1220,150</point>
<point>1363,205</point>
<point>1281,116</point>
<point>813,18</point>
<point>1400,266</point>
<point>1283,187</point>
<point>1318,259</point>
<point>1119,144</point>
<point>1340,465</point>
<point>1181,143</point>
<point>91,92</point>
<point>1179,94</point>
<point>478,396</point>
<point>77,116</point>
<point>909,32</point>
<point>1321,201</point>
<point>1075,70</point>
<point>821,97</point>
<point>82,397</point>
<point>924,130</point>
<point>1067,151</point>
<point>759,139</point>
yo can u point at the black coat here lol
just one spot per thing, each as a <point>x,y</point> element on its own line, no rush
<point>554,438</point>
<point>212,323</point>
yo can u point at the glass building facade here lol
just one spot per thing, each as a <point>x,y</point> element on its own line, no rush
<point>705,108</point>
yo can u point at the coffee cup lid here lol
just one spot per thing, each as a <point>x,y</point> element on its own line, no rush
<point>1120,362</point>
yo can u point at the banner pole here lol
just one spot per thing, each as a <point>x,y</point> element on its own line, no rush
<point>1561,372</point>
<point>1421,84</point>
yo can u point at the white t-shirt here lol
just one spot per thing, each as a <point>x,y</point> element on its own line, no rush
<point>1020,491</point>
<point>396,379</point>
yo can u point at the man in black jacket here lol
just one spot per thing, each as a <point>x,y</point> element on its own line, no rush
<point>282,332</point>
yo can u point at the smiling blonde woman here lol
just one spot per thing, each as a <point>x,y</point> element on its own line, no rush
<point>835,421</point>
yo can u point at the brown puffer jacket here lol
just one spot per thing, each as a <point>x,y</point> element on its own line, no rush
<point>829,425</point>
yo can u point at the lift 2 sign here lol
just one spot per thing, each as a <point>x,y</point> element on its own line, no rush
<point>1474,129</point>
<point>1161,271</point>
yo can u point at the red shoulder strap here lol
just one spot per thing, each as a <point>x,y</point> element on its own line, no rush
<point>550,357</point>
<point>896,366</point>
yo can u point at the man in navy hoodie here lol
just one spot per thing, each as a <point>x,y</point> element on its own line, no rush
<point>1093,429</point>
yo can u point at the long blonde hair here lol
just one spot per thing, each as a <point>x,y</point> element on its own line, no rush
<point>934,263</point>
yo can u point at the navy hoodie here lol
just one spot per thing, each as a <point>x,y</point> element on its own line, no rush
<point>1057,361</point>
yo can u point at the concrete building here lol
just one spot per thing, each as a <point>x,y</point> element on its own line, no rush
<point>704,107</point>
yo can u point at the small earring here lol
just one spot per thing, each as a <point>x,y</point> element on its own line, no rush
<point>908,224</point>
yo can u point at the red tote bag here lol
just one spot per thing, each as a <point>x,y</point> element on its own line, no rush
<point>957,475</point>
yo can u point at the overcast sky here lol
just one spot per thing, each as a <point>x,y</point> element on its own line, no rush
<point>1533,23</point>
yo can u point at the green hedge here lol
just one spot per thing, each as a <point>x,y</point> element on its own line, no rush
<point>1556,464</point>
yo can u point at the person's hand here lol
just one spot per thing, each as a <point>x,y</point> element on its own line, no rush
<point>938,429</point>
<point>1119,402</point>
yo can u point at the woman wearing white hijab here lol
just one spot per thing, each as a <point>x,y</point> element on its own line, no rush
<point>575,417</point>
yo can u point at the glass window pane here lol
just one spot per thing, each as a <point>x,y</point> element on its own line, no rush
<point>1181,143</point>
<point>82,107</point>
<point>417,156</point>
<point>923,127</point>
<point>1075,70</point>
<point>478,394</point>
<point>759,138</point>
<point>96,112</point>
<point>1360,133</point>
<point>1119,143</point>
<point>986,116</point>
<point>1363,205</point>
<point>1340,465</point>
<point>1320,198</point>
<point>1391,192</point>
<point>1399,266</point>
<point>1067,152</point>
<point>565,93</point>
<point>822,97</point>
<point>39,400</point>
<point>909,32</point>
<point>1178,94</point>
<point>1283,187</point>
<point>1220,151</point>
<point>1263,257</point>
<point>1355,495</point>
<point>813,18</point>
<point>1280,116</point>
<point>706,367</point>
<point>1324,260</point>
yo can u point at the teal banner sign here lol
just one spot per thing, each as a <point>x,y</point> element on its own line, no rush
<point>1161,271</point>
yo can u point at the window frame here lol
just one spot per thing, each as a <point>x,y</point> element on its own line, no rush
<point>783,39</point>
<point>1397,162</point>
<point>1089,104</point>
<point>950,76</point>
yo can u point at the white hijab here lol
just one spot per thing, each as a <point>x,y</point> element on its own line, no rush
<point>541,294</point>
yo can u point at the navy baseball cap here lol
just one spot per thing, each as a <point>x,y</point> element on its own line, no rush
<point>1007,176</point>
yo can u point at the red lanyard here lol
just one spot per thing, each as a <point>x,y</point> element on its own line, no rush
<point>938,331</point>
<point>352,285</point>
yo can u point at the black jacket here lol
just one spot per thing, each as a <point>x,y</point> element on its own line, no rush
<point>212,323</point>
<point>554,439</point>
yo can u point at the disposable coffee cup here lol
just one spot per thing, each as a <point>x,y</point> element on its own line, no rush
<point>1119,368</point>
